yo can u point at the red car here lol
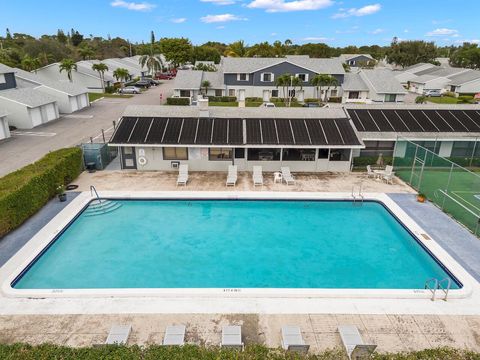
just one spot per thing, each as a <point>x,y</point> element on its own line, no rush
<point>165,76</point>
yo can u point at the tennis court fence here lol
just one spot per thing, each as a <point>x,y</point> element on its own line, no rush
<point>453,188</point>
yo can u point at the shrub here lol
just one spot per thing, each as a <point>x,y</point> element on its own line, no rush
<point>449,94</point>
<point>465,99</point>
<point>420,99</point>
<point>335,99</point>
<point>222,98</point>
<point>25,191</point>
<point>181,101</point>
<point>254,99</point>
<point>311,100</point>
<point>110,89</point>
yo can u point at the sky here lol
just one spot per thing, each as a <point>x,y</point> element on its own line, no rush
<point>337,23</point>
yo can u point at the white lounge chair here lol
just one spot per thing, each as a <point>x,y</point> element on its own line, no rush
<point>118,335</point>
<point>182,175</point>
<point>287,176</point>
<point>232,337</point>
<point>232,175</point>
<point>257,176</point>
<point>388,174</point>
<point>370,172</point>
<point>174,335</point>
<point>353,343</point>
<point>292,339</point>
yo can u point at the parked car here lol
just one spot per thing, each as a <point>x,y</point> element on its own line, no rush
<point>311,104</point>
<point>432,93</point>
<point>130,90</point>
<point>143,83</point>
<point>165,76</point>
<point>151,81</point>
<point>268,105</point>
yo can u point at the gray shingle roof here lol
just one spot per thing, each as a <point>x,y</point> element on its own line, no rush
<point>354,82</point>
<point>346,57</point>
<point>27,96</point>
<point>426,78</point>
<point>188,79</point>
<point>250,65</point>
<point>215,78</point>
<point>4,69</point>
<point>418,66</point>
<point>383,81</point>
<point>464,77</point>
<point>441,72</point>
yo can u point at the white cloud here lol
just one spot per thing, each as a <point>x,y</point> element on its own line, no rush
<point>144,6</point>
<point>471,41</point>
<point>377,31</point>
<point>286,6</point>
<point>363,11</point>
<point>317,38</point>
<point>443,32</point>
<point>219,2</point>
<point>273,34</point>
<point>220,27</point>
<point>220,18</point>
<point>178,20</point>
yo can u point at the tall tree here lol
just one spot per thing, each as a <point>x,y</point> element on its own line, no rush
<point>68,65</point>
<point>407,53</point>
<point>289,84</point>
<point>29,64</point>
<point>206,85</point>
<point>86,52</point>
<point>178,51</point>
<point>151,61</point>
<point>323,80</point>
<point>101,68</point>
<point>467,56</point>
<point>121,75</point>
<point>236,49</point>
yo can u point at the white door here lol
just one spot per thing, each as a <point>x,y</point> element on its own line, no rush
<point>266,95</point>
<point>300,95</point>
<point>36,116</point>
<point>51,112</point>
<point>83,100</point>
<point>73,103</point>
<point>241,95</point>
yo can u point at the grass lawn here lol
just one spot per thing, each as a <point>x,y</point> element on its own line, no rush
<point>96,96</point>
<point>445,100</point>
<point>223,103</point>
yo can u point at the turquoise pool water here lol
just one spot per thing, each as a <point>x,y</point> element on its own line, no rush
<point>234,244</point>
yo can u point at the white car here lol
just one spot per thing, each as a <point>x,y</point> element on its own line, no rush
<point>432,93</point>
<point>268,105</point>
<point>130,90</point>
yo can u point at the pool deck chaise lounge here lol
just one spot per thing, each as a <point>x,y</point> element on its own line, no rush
<point>287,176</point>
<point>232,337</point>
<point>292,339</point>
<point>118,335</point>
<point>353,343</point>
<point>182,175</point>
<point>174,335</point>
<point>232,176</point>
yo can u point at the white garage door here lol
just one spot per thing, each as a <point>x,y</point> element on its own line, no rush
<point>36,116</point>
<point>51,112</point>
<point>83,100</point>
<point>73,103</point>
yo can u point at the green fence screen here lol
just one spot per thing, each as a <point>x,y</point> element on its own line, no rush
<point>453,188</point>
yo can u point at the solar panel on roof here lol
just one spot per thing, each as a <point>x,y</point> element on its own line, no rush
<point>220,130</point>
<point>157,129</point>
<point>424,121</point>
<point>331,131</point>
<point>474,116</point>
<point>189,130</point>
<point>140,131</point>
<point>356,120</point>
<point>253,131</point>
<point>269,131</point>
<point>367,121</point>
<point>300,132</point>
<point>123,131</point>
<point>381,121</point>
<point>408,119</point>
<point>285,136</point>
<point>468,121</point>
<point>316,132</point>
<point>235,131</point>
<point>395,120</point>
<point>173,131</point>
<point>348,134</point>
<point>204,133</point>
<point>451,121</point>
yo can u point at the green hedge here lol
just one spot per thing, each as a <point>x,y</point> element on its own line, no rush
<point>222,98</point>
<point>465,161</point>
<point>189,352</point>
<point>25,191</point>
<point>335,99</point>
<point>178,101</point>
<point>254,99</point>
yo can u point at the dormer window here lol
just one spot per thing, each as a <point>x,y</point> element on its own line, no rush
<point>266,77</point>
<point>303,77</point>
<point>242,77</point>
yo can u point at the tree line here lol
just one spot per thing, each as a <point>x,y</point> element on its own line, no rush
<point>29,53</point>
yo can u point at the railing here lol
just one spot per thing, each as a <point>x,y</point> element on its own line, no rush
<point>476,216</point>
<point>438,285</point>
<point>358,196</point>
<point>93,190</point>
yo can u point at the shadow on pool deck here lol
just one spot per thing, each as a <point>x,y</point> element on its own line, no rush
<point>460,243</point>
<point>15,240</point>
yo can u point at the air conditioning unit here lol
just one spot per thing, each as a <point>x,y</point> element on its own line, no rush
<point>175,164</point>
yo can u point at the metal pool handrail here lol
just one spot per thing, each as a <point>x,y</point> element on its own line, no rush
<point>92,190</point>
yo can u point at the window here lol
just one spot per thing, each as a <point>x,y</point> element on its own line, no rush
<point>323,153</point>
<point>340,155</point>
<point>375,148</point>
<point>218,92</point>
<point>2,79</point>
<point>298,155</point>
<point>231,92</point>
<point>266,77</point>
<point>184,93</point>
<point>239,153</point>
<point>354,95</point>
<point>220,154</point>
<point>464,149</point>
<point>263,154</point>
<point>242,77</point>
<point>303,77</point>
<point>390,98</point>
<point>275,93</point>
<point>175,153</point>
<point>333,93</point>
<point>433,146</point>
<point>291,93</point>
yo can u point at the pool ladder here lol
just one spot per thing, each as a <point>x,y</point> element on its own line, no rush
<point>357,197</point>
<point>93,190</point>
<point>438,285</point>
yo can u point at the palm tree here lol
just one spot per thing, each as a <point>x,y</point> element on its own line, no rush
<point>68,65</point>
<point>101,68</point>
<point>289,84</point>
<point>29,64</point>
<point>121,75</point>
<point>321,80</point>
<point>206,84</point>
<point>151,61</point>
<point>86,52</point>
<point>236,49</point>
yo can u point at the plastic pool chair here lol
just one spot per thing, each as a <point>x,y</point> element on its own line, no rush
<point>370,172</point>
<point>232,337</point>
<point>287,176</point>
<point>174,335</point>
<point>353,343</point>
<point>232,175</point>
<point>118,335</point>
<point>292,339</point>
<point>182,175</point>
<point>257,176</point>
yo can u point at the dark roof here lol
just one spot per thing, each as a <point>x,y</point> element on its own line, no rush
<point>393,120</point>
<point>220,131</point>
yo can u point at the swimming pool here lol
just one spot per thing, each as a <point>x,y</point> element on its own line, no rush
<point>232,245</point>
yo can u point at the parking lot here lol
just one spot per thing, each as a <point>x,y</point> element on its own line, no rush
<point>27,146</point>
